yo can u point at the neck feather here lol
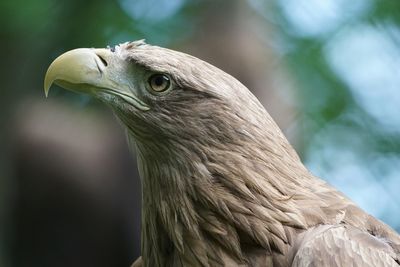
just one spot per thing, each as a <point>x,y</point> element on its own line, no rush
<point>201,205</point>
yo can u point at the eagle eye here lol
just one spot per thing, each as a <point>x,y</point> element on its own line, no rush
<point>159,82</point>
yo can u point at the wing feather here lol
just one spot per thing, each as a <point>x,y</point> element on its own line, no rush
<point>343,245</point>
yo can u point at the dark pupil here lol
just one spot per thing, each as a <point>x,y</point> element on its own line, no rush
<point>159,80</point>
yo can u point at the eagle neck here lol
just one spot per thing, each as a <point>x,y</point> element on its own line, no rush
<point>195,203</point>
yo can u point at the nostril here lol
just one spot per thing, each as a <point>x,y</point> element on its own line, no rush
<point>103,60</point>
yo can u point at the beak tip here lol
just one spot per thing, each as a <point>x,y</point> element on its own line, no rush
<point>46,91</point>
<point>47,85</point>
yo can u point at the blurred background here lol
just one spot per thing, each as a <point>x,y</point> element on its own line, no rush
<point>327,71</point>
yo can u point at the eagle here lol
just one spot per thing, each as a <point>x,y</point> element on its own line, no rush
<point>221,185</point>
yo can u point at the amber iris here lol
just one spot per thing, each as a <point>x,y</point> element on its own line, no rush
<point>159,82</point>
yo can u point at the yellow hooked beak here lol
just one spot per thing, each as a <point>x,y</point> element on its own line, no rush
<point>93,71</point>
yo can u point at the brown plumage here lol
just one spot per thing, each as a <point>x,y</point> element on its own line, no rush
<point>221,184</point>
